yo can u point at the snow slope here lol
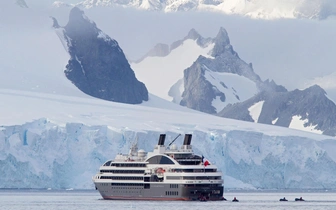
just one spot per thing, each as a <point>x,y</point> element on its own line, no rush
<point>255,110</point>
<point>234,93</point>
<point>163,77</point>
<point>53,136</point>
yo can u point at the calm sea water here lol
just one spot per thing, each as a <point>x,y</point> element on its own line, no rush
<point>87,200</point>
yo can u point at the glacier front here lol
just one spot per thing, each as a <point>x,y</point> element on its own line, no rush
<point>44,154</point>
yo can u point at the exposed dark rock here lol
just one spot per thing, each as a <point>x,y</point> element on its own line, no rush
<point>159,50</point>
<point>198,92</point>
<point>55,23</point>
<point>98,65</point>
<point>271,86</point>
<point>279,107</point>
<point>311,104</point>
<point>193,34</point>
<point>222,43</point>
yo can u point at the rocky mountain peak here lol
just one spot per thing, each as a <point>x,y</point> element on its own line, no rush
<point>98,66</point>
<point>200,90</point>
<point>76,16</point>
<point>193,34</point>
<point>311,106</point>
<point>316,89</point>
<point>271,86</point>
<point>55,23</point>
<point>222,43</point>
<point>79,23</point>
<point>223,35</point>
<point>159,50</point>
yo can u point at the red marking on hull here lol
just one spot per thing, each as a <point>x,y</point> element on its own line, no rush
<point>144,198</point>
<point>153,198</point>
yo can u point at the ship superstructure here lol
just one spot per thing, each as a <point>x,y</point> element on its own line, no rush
<point>167,173</point>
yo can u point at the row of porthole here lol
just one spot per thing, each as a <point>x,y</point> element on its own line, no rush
<point>136,192</point>
<point>121,177</point>
<point>123,171</point>
<point>171,192</point>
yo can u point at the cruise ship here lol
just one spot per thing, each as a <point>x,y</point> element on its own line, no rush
<point>167,173</point>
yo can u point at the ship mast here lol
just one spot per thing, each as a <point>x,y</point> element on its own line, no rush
<point>174,140</point>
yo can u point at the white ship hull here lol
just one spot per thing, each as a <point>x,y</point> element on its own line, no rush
<point>161,175</point>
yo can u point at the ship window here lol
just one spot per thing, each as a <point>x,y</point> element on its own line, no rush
<point>127,184</point>
<point>193,170</point>
<point>173,185</point>
<point>171,192</point>
<point>128,164</point>
<point>123,171</point>
<point>108,163</point>
<point>159,159</point>
<point>121,177</point>
<point>174,177</point>
<point>210,170</point>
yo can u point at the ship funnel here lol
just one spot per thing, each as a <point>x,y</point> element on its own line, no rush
<point>162,139</point>
<point>187,139</point>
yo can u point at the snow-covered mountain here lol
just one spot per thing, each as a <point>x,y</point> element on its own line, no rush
<point>61,4</point>
<point>167,63</point>
<point>265,9</point>
<point>220,82</point>
<point>204,74</point>
<point>310,110</point>
<point>53,135</point>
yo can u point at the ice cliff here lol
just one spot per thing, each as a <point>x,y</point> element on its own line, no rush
<point>43,154</point>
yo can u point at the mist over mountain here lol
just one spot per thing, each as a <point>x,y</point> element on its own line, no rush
<point>162,50</point>
<point>264,9</point>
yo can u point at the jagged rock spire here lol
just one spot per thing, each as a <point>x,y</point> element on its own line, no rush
<point>193,34</point>
<point>55,22</point>
<point>222,43</point>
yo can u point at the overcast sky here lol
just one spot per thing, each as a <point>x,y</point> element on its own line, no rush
<point>43,3</point>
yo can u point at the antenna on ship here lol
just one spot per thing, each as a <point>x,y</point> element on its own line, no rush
<point>174,140</point>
